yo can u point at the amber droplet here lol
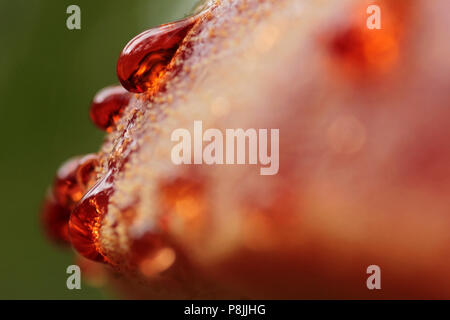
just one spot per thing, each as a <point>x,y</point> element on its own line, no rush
<point>87,216</point>
<point>85,173</point>
<point>146,56</point>
<point>65,187</point>
<point>108,105</point>
<point>72,178</point>
<point>71,182</point>
<point>85,220</point>
<point>54,220</point>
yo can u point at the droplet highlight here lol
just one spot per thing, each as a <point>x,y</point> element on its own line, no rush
<point>145,58</point>
<point>107,107</point>
<point>71,182</point>
<point>85,220</point>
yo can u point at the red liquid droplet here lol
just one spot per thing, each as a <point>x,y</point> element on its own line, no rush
<point>141,62</point>
<point>146,56</point>
<point>72,178</point>
<point>85,172</point>
<point>85,220</point>
<point>65,187</point>
<point>108,105</point>
<point>71,182</point>
<point>54,220</point>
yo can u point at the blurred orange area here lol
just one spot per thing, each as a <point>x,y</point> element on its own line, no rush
<point>361,51</point>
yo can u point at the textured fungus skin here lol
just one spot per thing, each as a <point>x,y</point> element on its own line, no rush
<point>364,176</point>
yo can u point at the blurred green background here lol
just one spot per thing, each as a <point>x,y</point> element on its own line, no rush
<point>48,75</point>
